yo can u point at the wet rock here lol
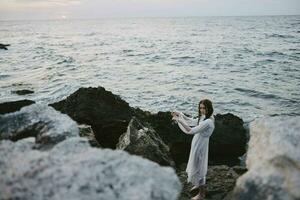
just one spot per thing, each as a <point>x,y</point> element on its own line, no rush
<point>22,92</point>
<point>14,106</point>
<point>40,121</point>
<point>228,141</point>
<point>178,142</point>
<point>144,141</point>
<point>107,113</point>
<point>4,46</point>
<point>109,117</point>
<point>273,160</point>
<point>74,170</point>
<point>219,185</point>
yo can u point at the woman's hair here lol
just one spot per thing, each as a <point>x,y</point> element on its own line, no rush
<point>208,108</point>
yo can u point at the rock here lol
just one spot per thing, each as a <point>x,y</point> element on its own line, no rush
<point>273,160</point>
<point>144,141</point>
<point>87,131</point>
<point>228,141</point>
<point>22,92</point>
<point>178,142</point>
<point>220,182</point>
<point>109,117</point>
<point>240,169</point>
<point>107,113</point>
<point>40,121</point>
<point>14,106</point>
<point>74,170</point>
<point>4,46</point>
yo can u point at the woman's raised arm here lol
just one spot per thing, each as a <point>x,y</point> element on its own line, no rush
<point>190,121</point>
<point>191,131</point>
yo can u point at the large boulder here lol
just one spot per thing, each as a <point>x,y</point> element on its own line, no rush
<point>142,140</point>
<point>107,113</point>
<point>179,143</point>
<point>273,160</point>
<point>40,121</point>
<point>109,117</point>
<point>74,170</point>
<point>13,106</point>
<point>229,139</point>
<point>227,143</point>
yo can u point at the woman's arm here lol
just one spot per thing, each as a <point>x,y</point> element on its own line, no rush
<point>189,121</point>
<point>191,131</point>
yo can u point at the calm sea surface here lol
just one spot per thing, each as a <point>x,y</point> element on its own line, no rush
<point>249,66</point>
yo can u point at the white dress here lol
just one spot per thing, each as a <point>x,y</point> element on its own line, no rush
<point>198,159</point>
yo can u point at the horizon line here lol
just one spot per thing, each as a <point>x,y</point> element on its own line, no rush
<point>141,17</point>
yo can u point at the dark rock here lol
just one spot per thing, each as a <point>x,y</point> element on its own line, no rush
<point>227,142</point>
<point>23,92</point>
<point>240,170</point>
<point>109,117</point>
<point>40,121</point>
<point>229,139</point>
<point>4,46</point>
<point>220,182</point>
<point>14,106</point>
<point>144,141</point>
<point>107,113</point>
<point>179,143</point>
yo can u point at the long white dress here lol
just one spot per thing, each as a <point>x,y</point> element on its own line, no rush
<point>198,159</point>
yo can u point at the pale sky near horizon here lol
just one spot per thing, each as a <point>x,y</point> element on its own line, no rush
<point>81,9</point>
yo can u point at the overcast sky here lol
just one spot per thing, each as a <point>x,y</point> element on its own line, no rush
<point>69,9</point>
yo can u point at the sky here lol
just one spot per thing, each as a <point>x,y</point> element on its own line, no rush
<point>82,9</point>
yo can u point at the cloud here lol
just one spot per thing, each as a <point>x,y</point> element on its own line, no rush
<point>35,4</point>
<point>48,9</point>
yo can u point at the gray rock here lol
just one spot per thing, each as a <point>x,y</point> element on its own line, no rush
<point>73,169</point>
<point>87,131</point>
<point>273,160</point>
<point>144,141</point>
<point>44,123</point>
<point>220,182</point>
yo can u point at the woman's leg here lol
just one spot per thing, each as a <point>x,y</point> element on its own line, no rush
<point>201,194</point>
<point>202,191</point>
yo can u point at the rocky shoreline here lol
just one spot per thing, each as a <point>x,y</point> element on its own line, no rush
<point>104,124</point>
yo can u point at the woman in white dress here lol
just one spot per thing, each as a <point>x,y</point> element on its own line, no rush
<point>202,127</point>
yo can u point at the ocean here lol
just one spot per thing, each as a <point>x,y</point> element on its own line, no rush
<point>248,66</point>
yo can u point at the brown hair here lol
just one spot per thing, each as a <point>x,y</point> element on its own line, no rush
<point>208,107</point>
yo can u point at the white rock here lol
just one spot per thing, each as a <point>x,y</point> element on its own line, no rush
<point>44,123</point>
<point>74,170</point>
<point>273,160</point>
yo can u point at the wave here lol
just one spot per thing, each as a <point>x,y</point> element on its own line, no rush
<point>274,35</point>
<point>254,93</point>
<point>183,57</point>
<point>3,76</point>
<point>270,53</point>
<point>66,60</point>
<point>127,50</point>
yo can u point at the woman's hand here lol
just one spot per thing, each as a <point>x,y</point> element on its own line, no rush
<point>175,118</point>
<point>175,114</point>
